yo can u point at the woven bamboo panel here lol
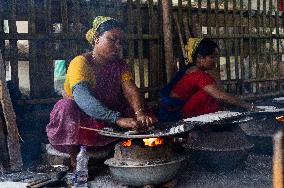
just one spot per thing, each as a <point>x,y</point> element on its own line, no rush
<point>250,35</point>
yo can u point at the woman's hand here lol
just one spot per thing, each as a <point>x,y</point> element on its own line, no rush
<point>132,94</point>
<point>128,123</point>
<point>145,119</point>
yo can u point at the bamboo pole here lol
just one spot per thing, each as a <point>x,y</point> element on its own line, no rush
<point>168,38</point>
<point>140,45</point>
<point>130,31</point>
<point>179,35</point>
<point>160,77</point>
<point>153,49</point>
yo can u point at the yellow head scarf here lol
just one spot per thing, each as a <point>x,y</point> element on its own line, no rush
<point>96,24</point>
<point>191,46</point>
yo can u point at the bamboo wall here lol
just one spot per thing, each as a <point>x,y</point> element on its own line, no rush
<point>47,43</point>
<point>250,35</point>
<point>250,40</point>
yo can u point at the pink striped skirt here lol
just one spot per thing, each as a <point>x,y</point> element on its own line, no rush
<point>66,118</point>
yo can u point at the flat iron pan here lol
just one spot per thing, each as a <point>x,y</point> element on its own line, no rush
<point>160,130</point>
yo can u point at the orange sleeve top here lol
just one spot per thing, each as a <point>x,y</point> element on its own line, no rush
<point>80,70</point>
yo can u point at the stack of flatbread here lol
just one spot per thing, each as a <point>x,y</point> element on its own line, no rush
<point>214,117</point>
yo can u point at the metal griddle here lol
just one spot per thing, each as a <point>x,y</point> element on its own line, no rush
<point>159,130</point>
<point>163,129</point>
<point>268,113</point>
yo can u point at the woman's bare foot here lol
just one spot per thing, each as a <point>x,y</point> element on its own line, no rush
<point>73,152</point>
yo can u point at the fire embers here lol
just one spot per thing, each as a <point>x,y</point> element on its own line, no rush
<point>280,118</point>
<point>153,141</point>
<point>126,143</point>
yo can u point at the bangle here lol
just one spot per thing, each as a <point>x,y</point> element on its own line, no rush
<point>252,107</point>
<point>140,110</point>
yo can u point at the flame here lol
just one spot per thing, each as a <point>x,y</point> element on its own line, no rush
<point>153,141</point>
<point>127,143</point>
<point>280,118</point>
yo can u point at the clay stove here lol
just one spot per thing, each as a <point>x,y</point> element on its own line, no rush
<point>140,162</point>
<point>144,150</point>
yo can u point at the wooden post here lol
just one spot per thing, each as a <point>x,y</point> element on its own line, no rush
<point>140,45</point>
<point>4,160</point>
<point>168,38</point>
<point>13,43</point>
<point>278,160</point>
<point>11,125</point>
<point>40,67</point>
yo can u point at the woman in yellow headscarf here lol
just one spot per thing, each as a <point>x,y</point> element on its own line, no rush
<point>194,91</point>
<point>100,92</point>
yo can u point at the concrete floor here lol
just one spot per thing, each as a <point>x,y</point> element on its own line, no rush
<point>257,172</point>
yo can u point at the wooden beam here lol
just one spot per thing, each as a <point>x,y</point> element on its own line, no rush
<point>13,43</point>
<point>140,44</point>
<point>168,38</point>
<point>11,125</point>
<point>278,160</point>
<point>250,97</point>
<point>37,101</point>
<point>4,160</point>
<point>41,82</point>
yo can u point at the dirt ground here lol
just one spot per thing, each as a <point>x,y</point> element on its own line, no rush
<point>256,172</point>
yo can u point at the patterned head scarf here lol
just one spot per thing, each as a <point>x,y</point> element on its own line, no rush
<point>191,46</point>
<point>96,24</point>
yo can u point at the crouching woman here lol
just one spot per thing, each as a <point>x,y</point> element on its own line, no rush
<point>99,91</point>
